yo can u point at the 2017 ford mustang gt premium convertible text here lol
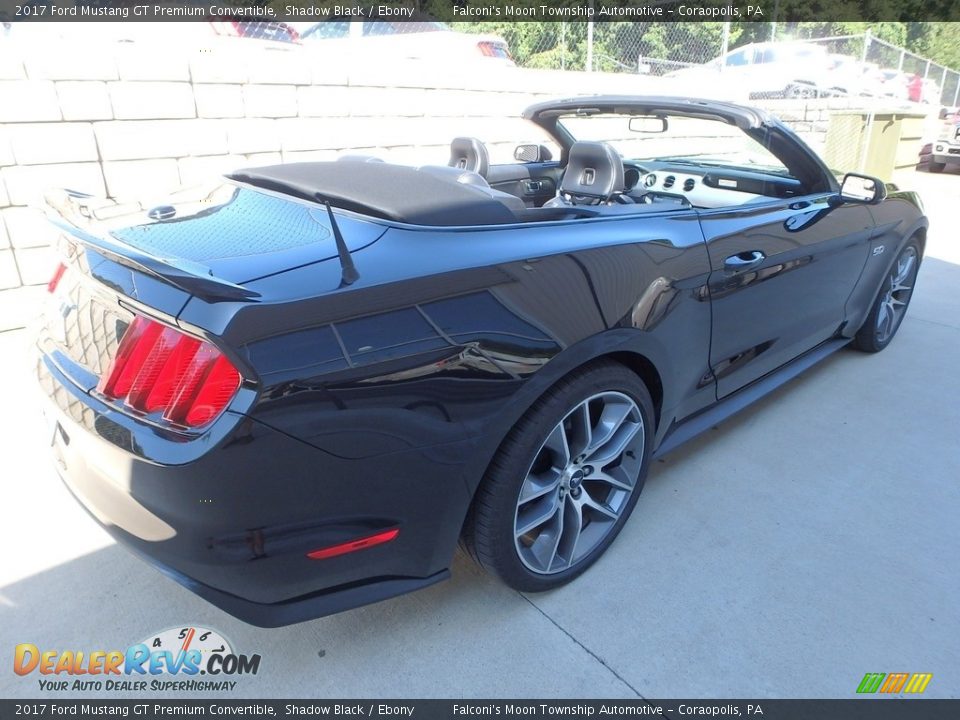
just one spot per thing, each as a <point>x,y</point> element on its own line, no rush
<point>296,391</point>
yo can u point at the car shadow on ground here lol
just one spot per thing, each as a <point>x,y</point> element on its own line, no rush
<point>464,628</point>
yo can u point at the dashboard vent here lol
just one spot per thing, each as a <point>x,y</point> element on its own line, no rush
<point>668,182</point>
<point>689,184</point>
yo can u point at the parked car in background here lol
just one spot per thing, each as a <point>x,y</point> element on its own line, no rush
<point>215,32</point>
<point>762,70</point>
<point>946,149</point>
<point>275,31</point>
<point>895,84</point>
<point>412,40</point>
<point>845,75</point>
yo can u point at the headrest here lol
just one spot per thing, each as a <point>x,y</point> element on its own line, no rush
<point>467,153</point>
<point>594,169</point>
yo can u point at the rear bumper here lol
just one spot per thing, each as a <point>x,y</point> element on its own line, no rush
<point>234,518</point>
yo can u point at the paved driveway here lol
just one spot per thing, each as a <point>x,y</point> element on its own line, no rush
<point>811,539</point>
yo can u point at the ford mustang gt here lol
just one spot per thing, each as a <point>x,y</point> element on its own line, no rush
<point>296,391</point>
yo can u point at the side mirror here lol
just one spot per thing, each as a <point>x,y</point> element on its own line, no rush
<point>862,189</point>
<point>531,153</point>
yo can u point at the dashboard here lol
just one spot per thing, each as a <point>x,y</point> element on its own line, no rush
<point>704,186</point>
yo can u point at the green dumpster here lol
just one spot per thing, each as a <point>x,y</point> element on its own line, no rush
<point>875,144</point>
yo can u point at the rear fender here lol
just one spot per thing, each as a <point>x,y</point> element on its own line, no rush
<point>898,219</point>
<point>599,346</point>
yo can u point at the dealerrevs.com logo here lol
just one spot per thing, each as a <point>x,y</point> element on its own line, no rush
<point>169,661</point>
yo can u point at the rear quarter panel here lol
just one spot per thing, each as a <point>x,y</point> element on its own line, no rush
<point>897,219</point>
<point>451,334</point>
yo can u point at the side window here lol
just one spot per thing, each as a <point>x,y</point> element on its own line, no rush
<point>738,58</point>
<point>768,56</point>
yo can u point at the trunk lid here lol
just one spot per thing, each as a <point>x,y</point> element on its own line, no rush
<point>231,233</point>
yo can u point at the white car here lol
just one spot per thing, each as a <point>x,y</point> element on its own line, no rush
<point>946,150</point>
<point>777,69</point>
<point>896,84</point>
<point>848,76</point>
<point>397,40</point>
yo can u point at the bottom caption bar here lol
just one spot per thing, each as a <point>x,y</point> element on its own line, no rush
<point>872,709</point>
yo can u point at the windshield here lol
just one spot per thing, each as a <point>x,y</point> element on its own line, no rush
<point>690,140</point>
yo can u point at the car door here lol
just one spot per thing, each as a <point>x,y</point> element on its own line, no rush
<point>781,272</point>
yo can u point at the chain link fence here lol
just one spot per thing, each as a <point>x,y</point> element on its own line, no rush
<point>652,48</point>
<point>859,65</point>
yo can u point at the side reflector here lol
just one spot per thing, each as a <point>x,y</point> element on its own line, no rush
<point>354,545</point>
<point>55,280</point>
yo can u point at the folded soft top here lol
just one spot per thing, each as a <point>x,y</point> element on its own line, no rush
<point>392,192</point>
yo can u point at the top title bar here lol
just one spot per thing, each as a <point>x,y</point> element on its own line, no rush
<point>480,10</point>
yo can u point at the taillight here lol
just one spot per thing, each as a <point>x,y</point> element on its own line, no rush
<point>492,49</point>
<point>55,280</point>
<point>157,369</point>
<point>228,28</point>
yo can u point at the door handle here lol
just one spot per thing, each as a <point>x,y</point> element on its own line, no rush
<point>744,261</point>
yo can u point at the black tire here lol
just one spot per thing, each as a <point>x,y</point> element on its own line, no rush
<point>869,337</point>
<point>800,91</point>
<point>936,167</point>
<point>490,532</point>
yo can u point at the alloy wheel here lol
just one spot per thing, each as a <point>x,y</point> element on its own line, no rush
<point>897,295</point>
<point>579,483</point>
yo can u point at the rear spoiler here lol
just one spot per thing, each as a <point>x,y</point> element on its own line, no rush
<point>68,210</point>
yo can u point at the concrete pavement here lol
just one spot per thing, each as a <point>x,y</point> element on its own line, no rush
<point>809,540</point>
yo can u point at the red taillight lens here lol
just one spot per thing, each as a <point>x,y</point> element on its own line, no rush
<point>493,49</point>
<point>57,275</point>
<point>229,28</point>
<point>160,370</point>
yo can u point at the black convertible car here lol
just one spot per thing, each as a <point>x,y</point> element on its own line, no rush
<point>296,391</point>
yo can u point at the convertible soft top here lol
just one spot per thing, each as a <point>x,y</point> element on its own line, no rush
<point>392,192</point>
